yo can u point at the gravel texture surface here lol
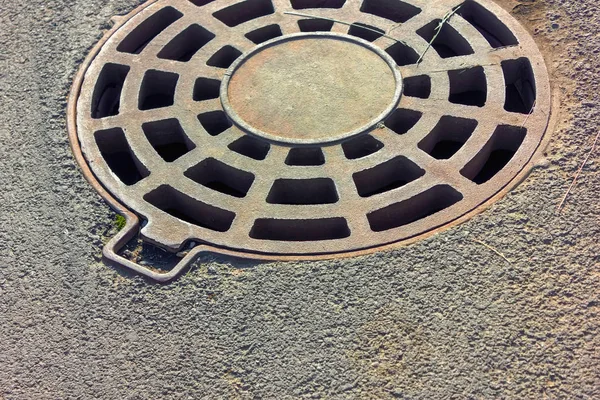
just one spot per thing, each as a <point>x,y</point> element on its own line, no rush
<point>444,318</point>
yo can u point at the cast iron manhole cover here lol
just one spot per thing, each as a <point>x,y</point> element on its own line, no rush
<point>306,128</point>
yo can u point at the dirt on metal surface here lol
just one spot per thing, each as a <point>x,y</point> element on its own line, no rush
<point>444,317</point>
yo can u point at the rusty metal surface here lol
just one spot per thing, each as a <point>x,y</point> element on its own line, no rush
<point>358,216</point>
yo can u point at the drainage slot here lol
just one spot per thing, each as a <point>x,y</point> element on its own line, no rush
<point>305,156</point>
<point>302,4</point>
<point>250,147</point>
<point>361,146</point>
<point>403,120</point>
<point>403,54</point>
<point>418,207</point>
<point>158,90</point>
<point>190,210</point>
<point>186,44</point>
<point>357,29</point>
<point>139,38</point>
<point>206,89</point>
<point>224,57</point>
<point>120,158</point>
<point>107,93</point>
<point>496,154</point>
<point>214,122</point>
<point>468,87</point>
<point>397,11</point>
<point>520,85</point>
<point>265,33</point>
<point>494,31</point>
<point>448,136</point>
<point>221,177</point>
<point>448,43</point>
<point>315,25</point>
<point>201,3</point>
<point>390,175</point>
<point>300,230</point>
<point>244,11</point>
<point>168,139</point>
<point>303,191</point>
<point>417,86</point>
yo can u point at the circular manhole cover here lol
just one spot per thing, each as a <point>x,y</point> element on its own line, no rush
<point>308,127</point>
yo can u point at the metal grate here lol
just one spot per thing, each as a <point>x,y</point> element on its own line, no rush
<point>301,127</point>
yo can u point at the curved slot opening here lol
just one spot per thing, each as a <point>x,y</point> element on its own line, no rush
<point>468,87</point>
<point>448,136</point>
<point>303,191</point>
<point>315,25</point>
<point>357,29</point>
<point>244,11</point>
<point>492,29</point>
<point>402,54</point>
<point>201,3</point>
<point>421,206</point>
<point>300,230</point>
<point>214,122</point>
<point>250,147</point>
<point>224,57</point>
<point>448,43</point>
<point>520,85</point>
<point>305,156</point>
<point>361,146</point>
<point>390,175</point>
<point>186,44</point>
<point>168,139</point>
<point>185,208</point>
<point>120,158</point>
<point>417,86</point>
<point>397,11</point>
<point>302,4</point>
<point>206,89</point>
<point>496,154</point>
<point>145,32</point>
<point>265,33</point>
<point>403,120</point>
<point>157,90</point>
<point>221,177</point>
<point>106,100</point>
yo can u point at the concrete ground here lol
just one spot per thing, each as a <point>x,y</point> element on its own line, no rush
<point>444,318</point>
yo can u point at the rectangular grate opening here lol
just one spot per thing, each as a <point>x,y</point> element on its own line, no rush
<point>168,139</point>
<point>214,122</point>
<point>120,158</point>
<point>421,206</point>
<point>390,175</point>
<point>221,177</point>
<point>357,29</point>
<point>448,43</point>
<point>492,29</point>
<point>315,25</point>
<point>302,4</point>
<point>186,44</point>
<point>361,146</point>
<point>244,11</point>
<point>185,208</point>
<point>397,11</point>
<point>448,136</point>
<point>139,38</point>
<point>265,33</point>
<point>303,191</point>
<point>157,90</point>
<point>206,89</point>
<point>106,100</point>
<point>402,54</point>
<point>300,230</point>
<point>468,87</point>
<point>305,156</point>
<point>403,120</point>
<point>250,147</point>
<point>496,154</point>
<point>520,85</point>
<point>224,57</point>
<point>417,86</point>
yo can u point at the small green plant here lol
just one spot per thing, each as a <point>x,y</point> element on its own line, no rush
<point>119,222</point>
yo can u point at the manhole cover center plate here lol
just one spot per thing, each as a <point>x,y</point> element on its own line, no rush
<point>312,88</point>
